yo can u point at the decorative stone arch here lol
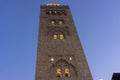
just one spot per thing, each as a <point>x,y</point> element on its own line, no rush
<point>62,63</point>
<point>58,29</point>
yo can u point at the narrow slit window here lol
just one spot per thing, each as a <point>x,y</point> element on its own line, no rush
<point>59,72</point>
<point>67,72</point>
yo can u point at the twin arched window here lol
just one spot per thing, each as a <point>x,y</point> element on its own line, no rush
<point>60,22</point>
<point>60,73</point>
<point>58,36</point>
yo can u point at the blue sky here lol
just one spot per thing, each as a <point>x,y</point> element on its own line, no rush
<point>97,23</point>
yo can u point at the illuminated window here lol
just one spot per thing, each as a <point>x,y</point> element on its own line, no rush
<point>60,22</point>
<point>61,36</point>
<point>59,72</point>
<point>70,58</point>
<point>52,21</point>
<point>54,36</point>
<point>52,59</point>
<point>67,72</point>
<point>55,12</point>
<point>50,12</point>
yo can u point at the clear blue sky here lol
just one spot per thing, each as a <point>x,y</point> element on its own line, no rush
<point>97,22</point>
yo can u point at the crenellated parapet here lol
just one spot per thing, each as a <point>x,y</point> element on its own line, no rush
<point>54,6</point>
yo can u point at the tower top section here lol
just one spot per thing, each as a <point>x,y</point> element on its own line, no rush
<point>53,4</point>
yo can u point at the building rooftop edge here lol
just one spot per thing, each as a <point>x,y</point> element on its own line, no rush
<point>54,6</point>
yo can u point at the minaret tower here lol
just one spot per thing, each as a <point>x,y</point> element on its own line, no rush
<point>59,55</point>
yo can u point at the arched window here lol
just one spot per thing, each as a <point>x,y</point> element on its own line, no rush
<point>58,36</point>
<point>67,72</point>
<point>50,12</point>
<point>55,36</point>
<point>52,22</point>
<point>70,58</point>
<point>61,36</point>
<point>55,12</point>
<point>52,59</point>
<point>59,72</point>
<point>60,22</point>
